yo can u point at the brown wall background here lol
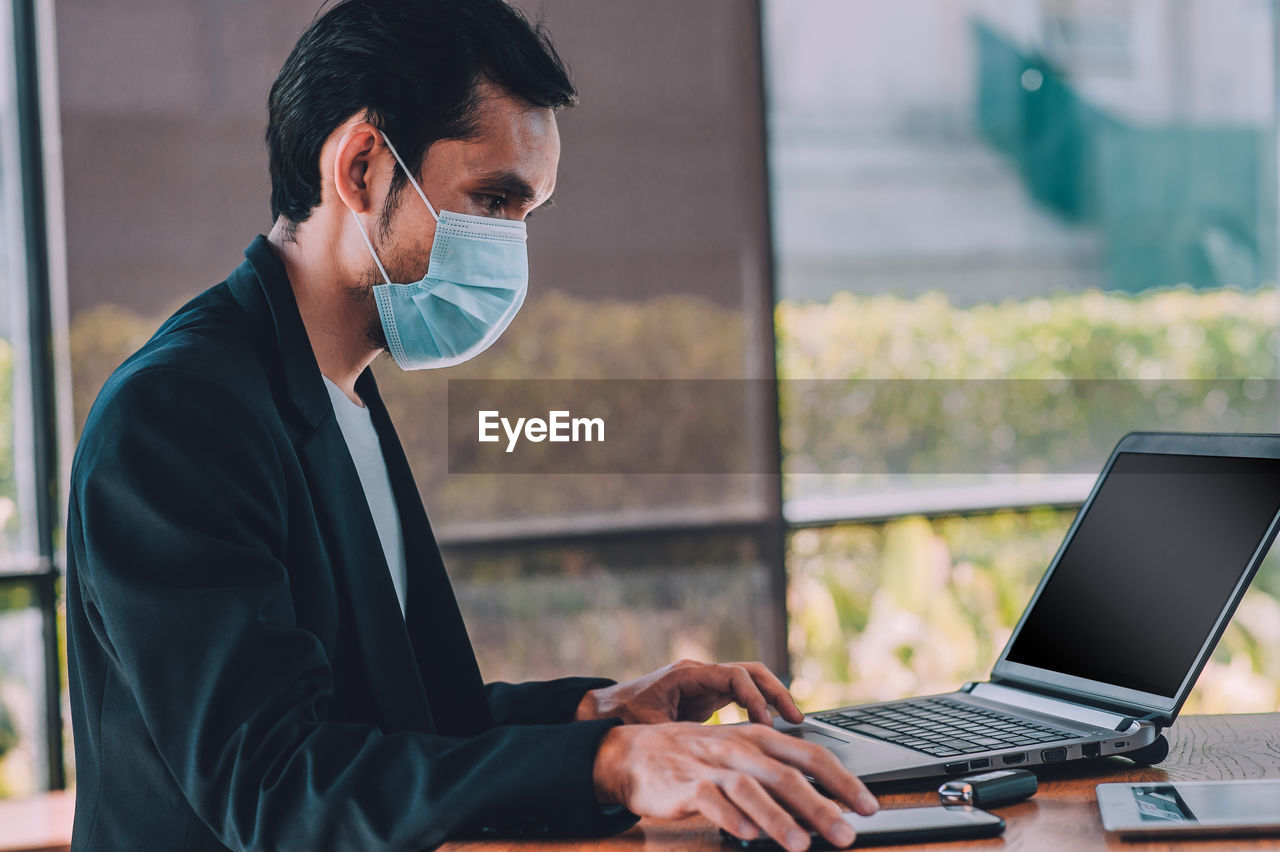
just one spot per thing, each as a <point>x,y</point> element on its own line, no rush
<point>163,110</point>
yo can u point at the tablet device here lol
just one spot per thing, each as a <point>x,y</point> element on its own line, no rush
<point>1191,807</point>
<point>900,825</point>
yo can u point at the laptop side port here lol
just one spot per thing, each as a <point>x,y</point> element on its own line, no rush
<point>1091,750</point>
<point>1052,755</point>
<point>957,768</point>
<point>1011,759</point>
<point>980,763</point>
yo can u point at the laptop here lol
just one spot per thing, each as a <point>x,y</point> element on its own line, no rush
<point>1115,635</point>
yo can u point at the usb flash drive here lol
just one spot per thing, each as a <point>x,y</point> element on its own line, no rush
<point>990,789</point>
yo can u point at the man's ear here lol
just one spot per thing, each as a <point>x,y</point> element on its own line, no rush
<point>353,165</point>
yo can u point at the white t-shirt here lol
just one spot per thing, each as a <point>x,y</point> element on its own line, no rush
<point>362,440</point>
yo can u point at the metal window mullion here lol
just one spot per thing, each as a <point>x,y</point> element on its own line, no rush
<point>40,366</point>
<point>774,533</point>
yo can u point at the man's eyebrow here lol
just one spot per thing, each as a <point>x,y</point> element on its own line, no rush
<point>507,181</point>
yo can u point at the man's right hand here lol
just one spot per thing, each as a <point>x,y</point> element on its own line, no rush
<point>744,778</point>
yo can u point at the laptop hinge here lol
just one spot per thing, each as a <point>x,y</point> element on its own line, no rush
<point>1052,706</point>
<point>1150,719</point>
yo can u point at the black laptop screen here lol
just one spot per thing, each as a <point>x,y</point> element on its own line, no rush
<point>1150,568</point>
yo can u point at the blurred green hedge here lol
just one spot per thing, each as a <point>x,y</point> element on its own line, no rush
<point>884,385</point>
<point>555,337</point>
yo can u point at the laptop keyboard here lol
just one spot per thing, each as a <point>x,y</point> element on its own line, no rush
<point>942,727</point>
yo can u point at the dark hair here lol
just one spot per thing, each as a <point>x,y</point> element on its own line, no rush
<point>412,67</point>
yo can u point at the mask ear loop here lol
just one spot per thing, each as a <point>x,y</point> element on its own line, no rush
<point>421,194</point>
<point>365,236</point>
<point>360,225</point>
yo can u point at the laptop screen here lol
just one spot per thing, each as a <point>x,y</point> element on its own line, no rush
<point>1152,565</point>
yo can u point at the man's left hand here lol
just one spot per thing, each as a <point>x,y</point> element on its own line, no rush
<point>688,691</point>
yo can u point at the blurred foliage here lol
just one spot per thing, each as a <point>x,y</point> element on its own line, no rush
<point>917,605</point>
<point>912,606</point>
<point>884,385</point>
<point>8,733</point>
<point>8,742</point>
<point>561,337</point>
<point>1168,334</point>
<point>9,520</point>
<point>621,607</point>
<point>555,337</point>
<point>101,338</point>
<point>11,597</point>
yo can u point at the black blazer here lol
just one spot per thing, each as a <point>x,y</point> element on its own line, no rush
<point>240,672</point>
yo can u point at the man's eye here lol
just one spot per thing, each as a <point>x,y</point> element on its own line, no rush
<point>492,203</point>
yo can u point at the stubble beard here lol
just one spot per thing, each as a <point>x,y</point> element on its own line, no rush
<point>402,267</point>
<point>361,294</point>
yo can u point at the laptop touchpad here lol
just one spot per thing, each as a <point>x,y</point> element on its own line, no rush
<point>812,736</point>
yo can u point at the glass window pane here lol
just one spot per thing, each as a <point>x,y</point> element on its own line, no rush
<point>1009,232</point>
<point>917,606</point>
<point>1028,190</point>
<point>22,708</point>
<point>17,480</point>
<point>24,762</point>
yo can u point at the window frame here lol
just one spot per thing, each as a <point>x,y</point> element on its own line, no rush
<point>37,569</point>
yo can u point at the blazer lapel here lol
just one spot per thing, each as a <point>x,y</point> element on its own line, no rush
<point>387,655</point>
<point>356,552</point>
<point>436,629</point>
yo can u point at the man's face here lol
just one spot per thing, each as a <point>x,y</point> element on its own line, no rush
<point>505,171</point>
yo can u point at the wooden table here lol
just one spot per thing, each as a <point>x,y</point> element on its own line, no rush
<point>1063,815</point>
<point>39,824</point>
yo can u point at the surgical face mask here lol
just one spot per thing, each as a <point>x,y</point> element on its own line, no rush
<point>476,281</point>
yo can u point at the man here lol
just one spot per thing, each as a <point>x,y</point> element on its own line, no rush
<point>265,650</point>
